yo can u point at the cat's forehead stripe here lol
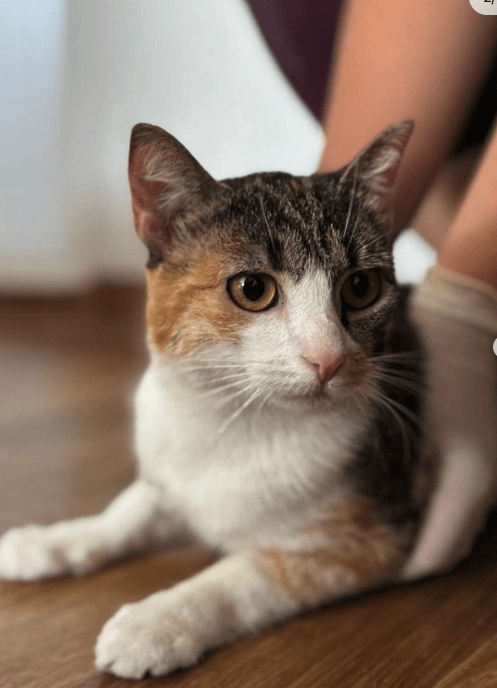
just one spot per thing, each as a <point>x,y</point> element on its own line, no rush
<point>303,222</point>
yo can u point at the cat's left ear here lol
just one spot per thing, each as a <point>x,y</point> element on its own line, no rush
<point>377,165</point>
<point>167,185</point>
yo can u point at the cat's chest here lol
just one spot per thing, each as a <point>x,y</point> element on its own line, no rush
<point>232,506</point>
<point>252,483</point>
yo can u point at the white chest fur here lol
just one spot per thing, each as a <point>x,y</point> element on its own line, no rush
<point>253,483</point>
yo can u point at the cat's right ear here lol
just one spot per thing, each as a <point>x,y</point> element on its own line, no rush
<point>167,184</point>
<point>376,166</point>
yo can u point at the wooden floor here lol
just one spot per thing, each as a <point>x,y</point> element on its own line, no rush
<point>67,373</point>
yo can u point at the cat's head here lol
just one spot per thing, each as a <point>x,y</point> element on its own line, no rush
<point>270,285</point>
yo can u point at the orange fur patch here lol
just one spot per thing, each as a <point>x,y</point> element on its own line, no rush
<point>362,551</point>
<point>188,307</point>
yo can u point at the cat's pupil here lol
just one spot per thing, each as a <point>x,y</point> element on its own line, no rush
<point>253,287</point>
<point>360,284</point>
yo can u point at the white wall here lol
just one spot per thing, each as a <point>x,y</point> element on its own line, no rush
<point>31,224</point>
<point>75,77</point>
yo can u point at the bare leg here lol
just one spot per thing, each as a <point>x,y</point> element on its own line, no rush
<point>470,248</point>
<point>131,522</point>
<point>443,199</point>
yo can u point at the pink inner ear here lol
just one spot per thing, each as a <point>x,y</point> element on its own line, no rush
<point>143,196</point>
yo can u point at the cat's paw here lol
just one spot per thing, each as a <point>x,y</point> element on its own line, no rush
<point>36,552</point>
<point>27,555</point>
<point>154,636</point>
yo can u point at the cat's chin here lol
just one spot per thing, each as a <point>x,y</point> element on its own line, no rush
<point>316,398</point>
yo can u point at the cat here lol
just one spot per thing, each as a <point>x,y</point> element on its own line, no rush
<point>281,419</point>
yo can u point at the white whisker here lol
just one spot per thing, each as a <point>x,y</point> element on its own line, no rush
<point>224,426</point>
<point>223,377</point>
<point>398,381</point>
<point>403,409</point>
<point>351,203</point>
<point>398,356</point>
<point>384,401</point>
<point>221,389</point>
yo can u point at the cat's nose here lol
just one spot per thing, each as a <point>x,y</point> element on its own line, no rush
<point>326,365</point>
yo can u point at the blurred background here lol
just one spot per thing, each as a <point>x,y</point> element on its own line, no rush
<point>74,78</point>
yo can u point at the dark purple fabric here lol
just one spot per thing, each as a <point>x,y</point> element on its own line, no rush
<point>300,34</point>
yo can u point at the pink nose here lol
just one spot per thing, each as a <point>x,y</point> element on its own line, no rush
<point>325,365</point>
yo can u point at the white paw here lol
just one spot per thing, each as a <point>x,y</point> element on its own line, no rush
<point>35,552</point>
<point>26,555</point>
<point>153,636</point>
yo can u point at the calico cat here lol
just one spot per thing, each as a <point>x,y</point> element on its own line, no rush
<point>280,419</point>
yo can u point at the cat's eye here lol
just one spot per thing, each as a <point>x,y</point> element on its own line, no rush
<point>253,291</point>
<point>361,289</point>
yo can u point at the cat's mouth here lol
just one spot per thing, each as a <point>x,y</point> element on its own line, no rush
<point>320,398</point>
<point>315,396</point>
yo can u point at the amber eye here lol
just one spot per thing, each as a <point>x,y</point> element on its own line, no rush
<point>253,292</point>
<point>361,289</point>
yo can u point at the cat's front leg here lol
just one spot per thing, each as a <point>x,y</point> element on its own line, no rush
<point>237,595</point>
<point>174,628</point>
<point>131,522</point>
